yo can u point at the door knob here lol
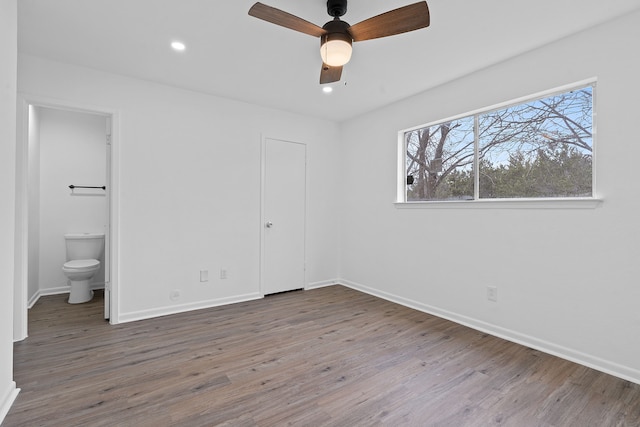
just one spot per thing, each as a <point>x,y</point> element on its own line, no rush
<point>269,224</point>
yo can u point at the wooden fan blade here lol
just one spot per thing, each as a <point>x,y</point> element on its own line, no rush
<point>397,21</point>
<point>284,19</point>
<point>330,74</point>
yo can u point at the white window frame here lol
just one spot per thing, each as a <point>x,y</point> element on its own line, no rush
<point>507,203</point>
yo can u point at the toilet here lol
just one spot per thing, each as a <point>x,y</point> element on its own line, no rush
<point>83,253</point>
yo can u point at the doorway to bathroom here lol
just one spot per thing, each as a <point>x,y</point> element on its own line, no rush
<point>65,185</point>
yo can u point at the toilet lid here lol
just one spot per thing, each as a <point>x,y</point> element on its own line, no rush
<point>82,263</point>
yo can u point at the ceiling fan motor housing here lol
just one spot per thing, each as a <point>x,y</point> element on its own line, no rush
<point>336,8</point>
<point>336,30</point>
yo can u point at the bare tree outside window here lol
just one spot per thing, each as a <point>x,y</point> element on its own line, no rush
<point>440,160</point>
<point>539,149</point>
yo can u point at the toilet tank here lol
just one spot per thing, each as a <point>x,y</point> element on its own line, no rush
<point>84,245</point>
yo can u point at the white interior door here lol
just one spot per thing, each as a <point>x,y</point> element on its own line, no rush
<point>283,230</point>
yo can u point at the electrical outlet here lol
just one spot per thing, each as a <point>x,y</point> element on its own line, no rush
<point>204,275</point>
<point>223,273</point>
<point>492,293</point>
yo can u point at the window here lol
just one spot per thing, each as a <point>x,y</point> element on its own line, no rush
<point>538,149</point>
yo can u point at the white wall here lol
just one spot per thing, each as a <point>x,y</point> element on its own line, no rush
<point>567,279</point>
<point>189,186</point>
<point>8,52</point>
<point>73,150</point>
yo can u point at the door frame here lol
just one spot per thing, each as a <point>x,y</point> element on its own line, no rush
<point>20,318</point>
<point>263,218</point>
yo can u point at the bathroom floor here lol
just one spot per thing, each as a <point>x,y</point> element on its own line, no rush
<point>54,311</point>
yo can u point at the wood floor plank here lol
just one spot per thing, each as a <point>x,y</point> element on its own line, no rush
<point>324,357</point>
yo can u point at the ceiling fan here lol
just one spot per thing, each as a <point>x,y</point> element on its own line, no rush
<point>336,36</point>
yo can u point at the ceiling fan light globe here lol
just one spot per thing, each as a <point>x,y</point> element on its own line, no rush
<point>335,53</point>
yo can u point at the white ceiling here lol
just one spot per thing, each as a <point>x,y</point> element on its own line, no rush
<point>233,55</point>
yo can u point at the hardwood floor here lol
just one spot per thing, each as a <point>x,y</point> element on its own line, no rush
<point>324,357</point>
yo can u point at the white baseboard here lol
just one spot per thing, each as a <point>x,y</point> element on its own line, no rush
<point>7,400</point>
<point>33,300</point>
<point>57,291</point>
<point>181,308</point>
<point>45,292</point>
<point>606,366</point>
<point>321,284</point>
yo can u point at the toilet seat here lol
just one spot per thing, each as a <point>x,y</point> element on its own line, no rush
<point>81,264</point>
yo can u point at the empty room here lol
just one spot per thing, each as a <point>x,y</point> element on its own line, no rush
<point>319,213</point>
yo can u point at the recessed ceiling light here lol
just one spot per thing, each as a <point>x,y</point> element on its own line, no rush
<point>327,89</point>
<point>179,46</point>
